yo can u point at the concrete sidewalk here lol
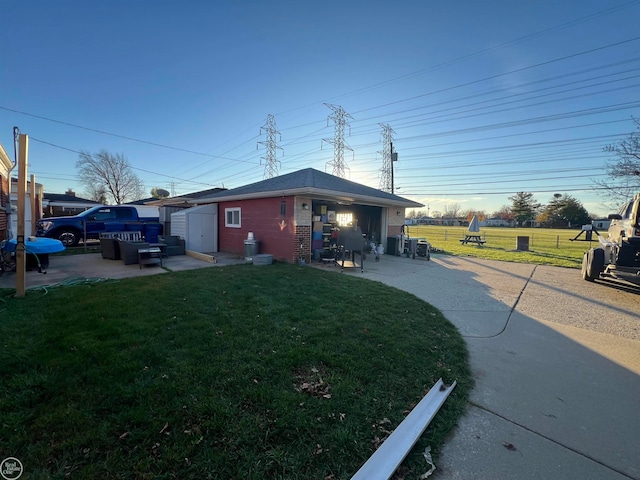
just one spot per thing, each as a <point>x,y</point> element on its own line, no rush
<point>556,362</point>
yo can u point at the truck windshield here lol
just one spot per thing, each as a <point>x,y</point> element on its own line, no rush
<point>91,211</point>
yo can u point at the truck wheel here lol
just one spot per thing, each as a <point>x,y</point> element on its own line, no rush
<point>592,264</point>
<point>69,238</point>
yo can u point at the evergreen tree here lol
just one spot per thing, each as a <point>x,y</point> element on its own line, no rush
<point>524,207</point>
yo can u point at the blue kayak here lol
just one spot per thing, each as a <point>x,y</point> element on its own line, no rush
<point>39,246</point>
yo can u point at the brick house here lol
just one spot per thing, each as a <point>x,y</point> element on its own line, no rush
<point>6,165</point>
<point>284,212</point>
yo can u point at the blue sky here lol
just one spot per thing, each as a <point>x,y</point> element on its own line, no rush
<point>485,98</point>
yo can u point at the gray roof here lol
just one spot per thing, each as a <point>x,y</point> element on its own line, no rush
<point>63,197</point>
<point>315,184</point>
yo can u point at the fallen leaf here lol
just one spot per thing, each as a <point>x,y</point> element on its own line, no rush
<point>124,435</point>
<point>166,425</point>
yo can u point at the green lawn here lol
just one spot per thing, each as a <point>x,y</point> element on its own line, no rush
<point>236,372</point>
<point>546,246</point>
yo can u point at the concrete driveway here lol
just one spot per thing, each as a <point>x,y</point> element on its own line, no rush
<point>556,360</point>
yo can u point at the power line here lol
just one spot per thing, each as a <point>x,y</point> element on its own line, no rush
<point>134,168</point>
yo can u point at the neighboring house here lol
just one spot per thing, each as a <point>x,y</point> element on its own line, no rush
<point>33,206</point>
<point>451,222</point>
<point>427,221</point>
<point>65,204</point>
<point>282,212</point>
<point>499,222</point>
<point>601,224</point>
<point>6,165</point>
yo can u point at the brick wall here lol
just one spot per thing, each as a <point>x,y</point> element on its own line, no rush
<point>396,221</point>
<point>4,199</point>
<point>302,247</point>
<point>274,232</point>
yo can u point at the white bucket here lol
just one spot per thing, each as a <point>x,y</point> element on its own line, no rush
<point>250,236</point>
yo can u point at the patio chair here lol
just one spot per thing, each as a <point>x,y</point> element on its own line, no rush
<point>109,248</point>
<point>175,245</point>
<point>129,251</point>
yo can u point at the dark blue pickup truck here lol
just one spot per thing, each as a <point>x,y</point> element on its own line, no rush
<point>91,223</point>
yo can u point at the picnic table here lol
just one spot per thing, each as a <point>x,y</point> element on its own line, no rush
<point>472,238</point>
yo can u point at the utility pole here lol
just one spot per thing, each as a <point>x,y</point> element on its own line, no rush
<point>271,162</point>
<point>394,158</point>
<point>339,118</point>
<point>386,177</point>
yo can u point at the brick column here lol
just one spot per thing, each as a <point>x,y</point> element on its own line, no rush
<point>302,245</point>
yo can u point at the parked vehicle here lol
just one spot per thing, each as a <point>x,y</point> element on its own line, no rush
<point>618,255</point>
<point>91,223</point>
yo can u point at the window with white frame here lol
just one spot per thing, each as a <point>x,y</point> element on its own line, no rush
<point>232,217</point>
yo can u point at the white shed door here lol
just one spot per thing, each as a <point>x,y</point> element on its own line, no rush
<point>201,233</point>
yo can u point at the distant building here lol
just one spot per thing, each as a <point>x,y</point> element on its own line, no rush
<point>601,223</point>
<point>499,222</point>
<point>65,204</point>
<point>426,221</point>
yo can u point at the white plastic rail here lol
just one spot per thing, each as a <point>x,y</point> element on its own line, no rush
<point>386,459</point>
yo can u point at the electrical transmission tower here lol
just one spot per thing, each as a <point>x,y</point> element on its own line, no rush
<point>271,162</point>
<point>339,118</point>
<point>386,176</point>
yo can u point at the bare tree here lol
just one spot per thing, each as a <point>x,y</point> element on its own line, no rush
<point>111,173</point>
<point>97,193</point>
<point>624,171</point>
<point>504,212</point>
<point>452,210</point>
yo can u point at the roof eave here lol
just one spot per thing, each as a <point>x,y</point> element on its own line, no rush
<point>317,193</point>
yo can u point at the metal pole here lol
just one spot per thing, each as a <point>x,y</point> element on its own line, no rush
<point>391,167</point>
